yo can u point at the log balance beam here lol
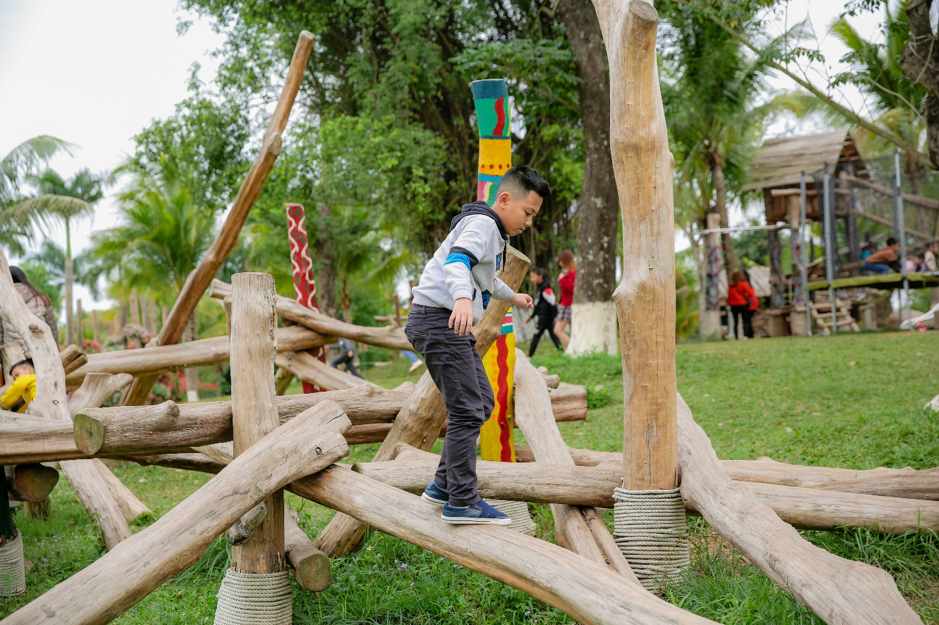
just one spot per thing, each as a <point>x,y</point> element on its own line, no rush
<point>106,588</point>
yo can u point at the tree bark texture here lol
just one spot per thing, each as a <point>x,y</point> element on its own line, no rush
<point>597,207</point>
<point>920,62</point>
<point>254,411</point>
<point>645,299</point>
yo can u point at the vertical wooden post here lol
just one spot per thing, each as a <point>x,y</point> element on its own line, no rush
<point>711,316</point>
<point>797,319</point>
<point>847,204</point>
<point>95,331</point>
<point>254,413</point>
<point>645,300</point>
<point>774,245</point>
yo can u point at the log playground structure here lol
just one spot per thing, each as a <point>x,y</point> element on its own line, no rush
<point>259,443</point>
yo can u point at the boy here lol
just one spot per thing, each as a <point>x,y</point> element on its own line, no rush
<point>453,292</point>
<point>347,357</point>
<point>23,389</point>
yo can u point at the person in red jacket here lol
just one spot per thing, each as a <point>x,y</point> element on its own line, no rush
<point>743,302</point>
<point>566,282</point>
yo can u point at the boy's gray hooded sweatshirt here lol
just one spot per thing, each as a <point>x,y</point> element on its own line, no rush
<point>467,262</point>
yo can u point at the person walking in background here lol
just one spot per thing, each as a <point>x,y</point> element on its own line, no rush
<point>545,311</point>
<point>931,260</point>
<point>38,304</point>
<point>566,281</point>
<point>742,301</point>
<point>347,357</point>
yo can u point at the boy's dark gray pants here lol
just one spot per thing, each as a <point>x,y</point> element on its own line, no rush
<point>457,370</point>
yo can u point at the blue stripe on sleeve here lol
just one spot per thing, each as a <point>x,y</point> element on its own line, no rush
<point>458,258</point>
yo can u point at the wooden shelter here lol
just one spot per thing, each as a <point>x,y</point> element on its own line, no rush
<point>777,169</point>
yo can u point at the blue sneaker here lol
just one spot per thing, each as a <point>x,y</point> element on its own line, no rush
<point>480,513</point>
<point>435,494</point>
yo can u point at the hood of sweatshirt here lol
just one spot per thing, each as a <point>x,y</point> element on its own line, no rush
<point>479,207</point>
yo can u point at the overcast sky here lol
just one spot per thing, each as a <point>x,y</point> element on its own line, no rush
<point>96,72</point>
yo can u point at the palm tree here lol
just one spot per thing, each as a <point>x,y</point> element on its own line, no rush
<point>896,101</point>
<point>161,237</point>
<point>57,200</point>
<point>717,108</point>
<point>14,168</point>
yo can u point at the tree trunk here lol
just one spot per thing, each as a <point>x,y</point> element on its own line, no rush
<point>731,263</point>
<point>125,307</point>
<point>134,308</point>
<point>79,326</point>
<point>95,331</point>
<point>69,307</point>
<point>920,62</point>
<point>325,274</point>
<point>593,323</point>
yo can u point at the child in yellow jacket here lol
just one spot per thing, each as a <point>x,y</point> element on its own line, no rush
<point>23,389</point>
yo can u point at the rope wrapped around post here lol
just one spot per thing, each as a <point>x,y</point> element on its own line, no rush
<point>518,512</point>
<point>649,528</point>
<point>255,599</point>
<point>12,568</point>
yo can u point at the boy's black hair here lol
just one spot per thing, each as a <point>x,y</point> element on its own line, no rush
<point>527,179</point>
<point>891,241</point>
<point>28,361</point>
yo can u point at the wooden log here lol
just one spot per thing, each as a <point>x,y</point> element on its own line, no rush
<point>96,389</point>
<point>254,412</point>
<point>837,590</point>
<point>131,507</point>
<point>917,200</point>
<point>553,381</point>
<point>593,486</point>
<point>419,422</point>
<point>282,380</point>
<point>241,531</point>
<point>889,222</point>
<point>903,483</point>
<point>583,589</point>
<point>68,354</point>
<point>192,354</point>
<point>210,422</point>
<point>312,371</point>
<point>103,590</point>
<point>30,482</point>
<point>569,403</point>
<point>12,353</point>
<point>645,299</point>
<point>293,310</point>
<point>310,565</point>
<point>92,433</point>
<point>411,470</point>
<point>51,403</point>
<point>578,528</point>
<point>201,277</point>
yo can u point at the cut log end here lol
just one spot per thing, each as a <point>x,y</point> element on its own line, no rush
<point>89,433</point>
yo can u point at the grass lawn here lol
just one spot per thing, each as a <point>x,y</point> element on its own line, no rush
<point>851,400</point>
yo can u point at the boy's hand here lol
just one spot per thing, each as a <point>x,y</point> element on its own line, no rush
<point>462,318</point>
<point>522,301</point>
<point>351,354</point>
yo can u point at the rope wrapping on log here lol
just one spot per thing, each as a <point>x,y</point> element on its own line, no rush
<point>649,527</point>
<point>518,512</point>
<point>255,599</point>
<point>12,568</point>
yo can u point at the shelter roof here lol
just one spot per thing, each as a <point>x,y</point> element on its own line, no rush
<point>780,162</point>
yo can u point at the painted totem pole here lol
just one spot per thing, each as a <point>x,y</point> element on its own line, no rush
<point>304,286</point>
<point>491,98</point>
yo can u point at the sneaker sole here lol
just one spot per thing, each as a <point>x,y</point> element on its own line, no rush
<point>476,521</point>
<point>427,497</point>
